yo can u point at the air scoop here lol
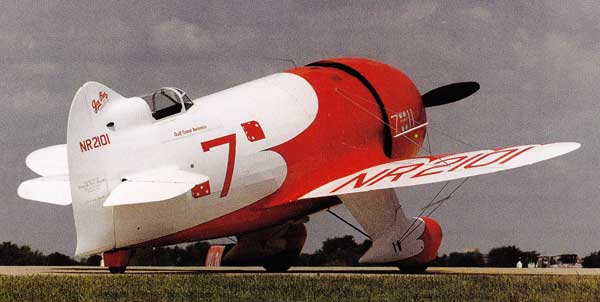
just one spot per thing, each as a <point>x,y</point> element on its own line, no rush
<point>449,93</point>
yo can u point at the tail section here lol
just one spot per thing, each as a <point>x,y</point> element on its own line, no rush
<point>89,152</point>
<point>49,161</point>
<point>87,169</point>
<point>53,187</point>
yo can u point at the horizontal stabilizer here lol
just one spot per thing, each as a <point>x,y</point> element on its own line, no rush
<point>152,186</point>
<point>48,189</point>
<point>49,161</point>
<point>432,169</point>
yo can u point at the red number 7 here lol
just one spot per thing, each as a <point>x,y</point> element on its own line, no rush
<point>230,140</point>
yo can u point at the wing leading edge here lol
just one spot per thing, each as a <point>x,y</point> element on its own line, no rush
<point>432,169</point>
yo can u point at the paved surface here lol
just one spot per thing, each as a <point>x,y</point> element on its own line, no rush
<point>87,270</point>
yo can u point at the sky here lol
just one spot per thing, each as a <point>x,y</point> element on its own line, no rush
<point>537,62</point>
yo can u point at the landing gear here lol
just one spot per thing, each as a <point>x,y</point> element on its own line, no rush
<point>281,262</point>
<point>413,269</point>
<point>276,248</point>
<point>116,261</point>
<point>117,269</point>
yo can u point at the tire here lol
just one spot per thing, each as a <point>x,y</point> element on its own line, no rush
<point>413,269</point>
<point>117,269</point>
<point>281,262</point>
<point>277,267</point>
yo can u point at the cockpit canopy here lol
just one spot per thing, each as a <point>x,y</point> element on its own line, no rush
<point>167,101</point>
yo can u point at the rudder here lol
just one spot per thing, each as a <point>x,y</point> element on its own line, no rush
<point>88,150</point>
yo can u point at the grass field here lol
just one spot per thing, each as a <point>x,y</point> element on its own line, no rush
<point>269,287</point>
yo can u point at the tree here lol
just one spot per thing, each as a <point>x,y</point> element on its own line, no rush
<point>12,254</point>
<point>340,251</point>
<point>440,261</point>
<point>196,253</point>
<point>192,255</point>
<point>592,260</point>
<point>93,260</point>
<point>58,259</point>
<point>467,259</point>
<point>529,257</point>
<point>508,256</point>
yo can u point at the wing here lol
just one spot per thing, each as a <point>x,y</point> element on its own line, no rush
<point>431,169</point>
<point>155,185</point>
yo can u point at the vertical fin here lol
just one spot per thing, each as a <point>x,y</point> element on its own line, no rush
<point>88,151</point>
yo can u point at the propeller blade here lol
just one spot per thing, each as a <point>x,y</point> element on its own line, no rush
<point>449,93</point>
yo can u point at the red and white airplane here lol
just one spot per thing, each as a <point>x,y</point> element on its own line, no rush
<point>254,161</point>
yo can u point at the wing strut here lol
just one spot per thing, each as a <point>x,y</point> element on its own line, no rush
<point>349,224</point>
<point>433,203</point>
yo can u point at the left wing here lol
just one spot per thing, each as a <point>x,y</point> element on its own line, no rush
<point>431,169</point>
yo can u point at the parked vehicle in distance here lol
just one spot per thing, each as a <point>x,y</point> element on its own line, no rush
<point>563,261</point>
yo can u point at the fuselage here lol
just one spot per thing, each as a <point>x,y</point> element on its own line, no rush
<point>263,145</point>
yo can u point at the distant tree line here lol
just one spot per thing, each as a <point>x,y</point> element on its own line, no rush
<point>191,255</point>
<point>340,251</point>
<point>12,254</point>
<point>505,256</point>
<point>591,260</point>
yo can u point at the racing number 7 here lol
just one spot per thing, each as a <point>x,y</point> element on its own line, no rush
<point>229,140</point>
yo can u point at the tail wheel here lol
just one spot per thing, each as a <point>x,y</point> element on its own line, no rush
<point>116,260</point>
<point>117,269</point>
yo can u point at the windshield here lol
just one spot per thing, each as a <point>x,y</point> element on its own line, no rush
<point>167,101</point>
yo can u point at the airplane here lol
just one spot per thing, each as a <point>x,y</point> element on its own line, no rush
<point>255,161</point>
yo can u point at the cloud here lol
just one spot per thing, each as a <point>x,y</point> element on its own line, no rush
<point>178,38</point>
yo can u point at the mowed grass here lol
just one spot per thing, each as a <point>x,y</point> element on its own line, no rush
<point>270,287</point>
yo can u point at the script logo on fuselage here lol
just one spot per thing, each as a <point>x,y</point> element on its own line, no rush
<point>97,103</point>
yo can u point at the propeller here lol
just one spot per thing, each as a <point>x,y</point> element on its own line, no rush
<point>449,93</point>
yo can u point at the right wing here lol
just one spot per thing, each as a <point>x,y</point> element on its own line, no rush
<point>431,169</point>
